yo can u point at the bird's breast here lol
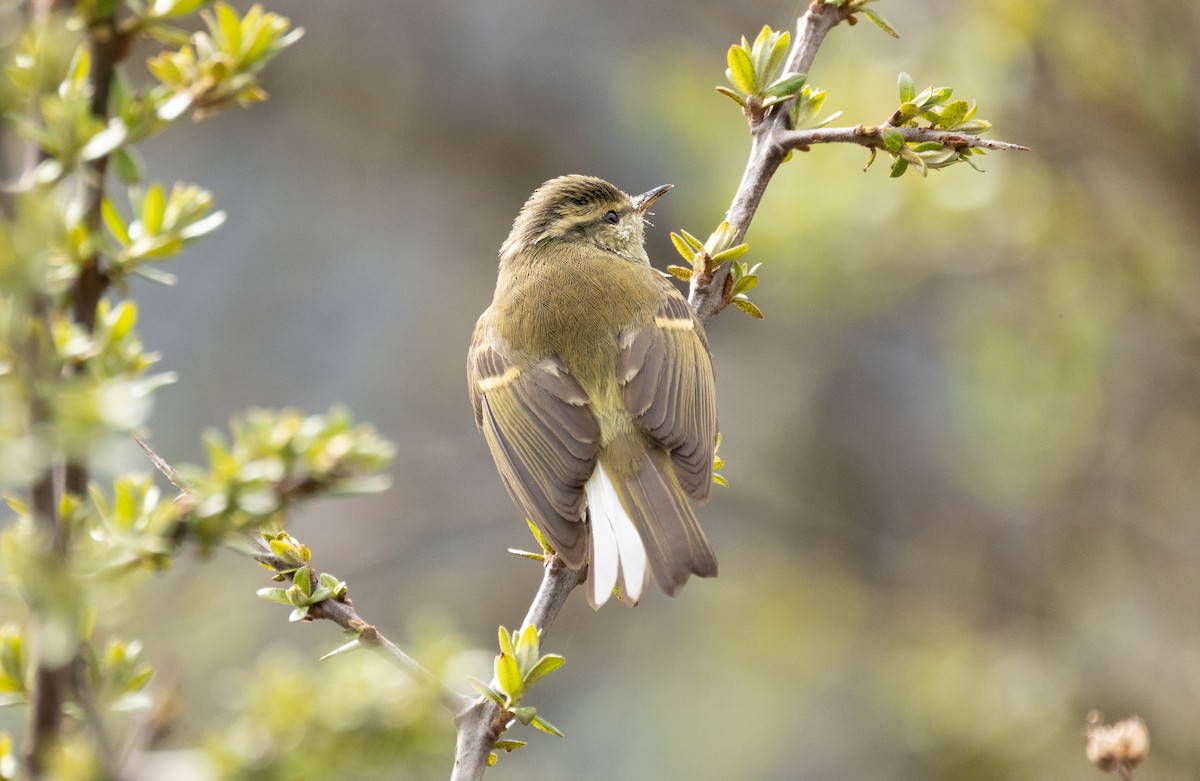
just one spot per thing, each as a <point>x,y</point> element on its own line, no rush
<point>575,307</point>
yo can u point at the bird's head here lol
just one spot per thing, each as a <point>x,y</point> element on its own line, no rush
<point>582,210</point>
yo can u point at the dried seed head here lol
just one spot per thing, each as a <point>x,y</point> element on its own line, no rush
<point>1120,746</point>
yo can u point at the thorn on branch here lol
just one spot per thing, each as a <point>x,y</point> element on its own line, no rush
<point>162,466</point>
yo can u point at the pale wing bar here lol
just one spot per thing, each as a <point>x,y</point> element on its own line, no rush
<point>675,406</point>
<point>544,440</point>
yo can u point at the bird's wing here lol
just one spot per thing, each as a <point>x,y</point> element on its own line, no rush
<point>666,375</point>
<point>543,437</point>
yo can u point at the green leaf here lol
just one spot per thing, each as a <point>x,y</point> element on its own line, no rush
<point>303,581</point>
<point>974,127</point>
<point>81,65</point>
<point>906,87</point>
<point>940,96</point>
<point>681,246</point>
<point>908,111</point>
<point>899,167</point>
<point>127,163</point>
<point>879,21</point>
<point>527,648</point>
<point>274,595</point>
<point>746,306</point>
<point>508,676</point>
<point>116,226</point>
<point>282,549</point>
<point>693,243</point>
<point>735,97</point>
<point>720,239</point>
<point>230,27</point>
<point>509,746</point>
<point>486,691</point>
<point>153,208</point>
<point>157,247</point>
<point>524,714</point>
<point>545,726</point>
<point>733,253</point>
<point>746,284</point>
<point>778,52</point>
<point>969,162</point>
<point>914,159</point>
<point>124,316</point>
<point>546,665</point>
<point>506,643</point>
<point>892,139</point>
<point>827,120</point>
<point>528,554</point>
<point>741,70</point>
<point>758,49</point>
<point>680,272</point>
<point>786,85</point>
<point>953,114</point>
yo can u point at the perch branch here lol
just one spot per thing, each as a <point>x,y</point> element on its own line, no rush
<point>339,611</point>
<point>481,723</point>
<point>771,141</point>
<point>707,295</point>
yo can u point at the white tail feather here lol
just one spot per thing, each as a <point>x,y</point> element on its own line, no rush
<point>616,545</point>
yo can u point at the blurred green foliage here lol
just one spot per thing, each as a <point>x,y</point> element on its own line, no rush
<point>74,378</point>
<point>356,717</point>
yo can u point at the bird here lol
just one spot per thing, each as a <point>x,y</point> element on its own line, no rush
<point>592,382</point>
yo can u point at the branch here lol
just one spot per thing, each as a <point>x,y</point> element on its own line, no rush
<point>481,723</point>
<point>871,136</point>
<point>341,612</point>
<point>707,296</point>
<point>771,140</point>
<point>338,610</point>
<point>51,683</point>
<point>558,580</point>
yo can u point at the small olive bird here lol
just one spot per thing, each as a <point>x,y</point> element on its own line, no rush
<point>593,384</point>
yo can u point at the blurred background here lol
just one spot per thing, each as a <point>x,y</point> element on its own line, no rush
<point>962,448</point>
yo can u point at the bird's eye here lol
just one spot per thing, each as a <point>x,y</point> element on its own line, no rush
<point>611,217</point>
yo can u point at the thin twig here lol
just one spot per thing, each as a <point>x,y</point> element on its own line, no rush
<point>342,613</point>
<point>161,465</point>
<point>339,611</point>
<point>872,136</point>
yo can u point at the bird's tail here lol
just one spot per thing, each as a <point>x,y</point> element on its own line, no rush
<point>652,505</point>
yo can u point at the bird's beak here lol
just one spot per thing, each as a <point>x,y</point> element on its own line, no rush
<point>643,201</point>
